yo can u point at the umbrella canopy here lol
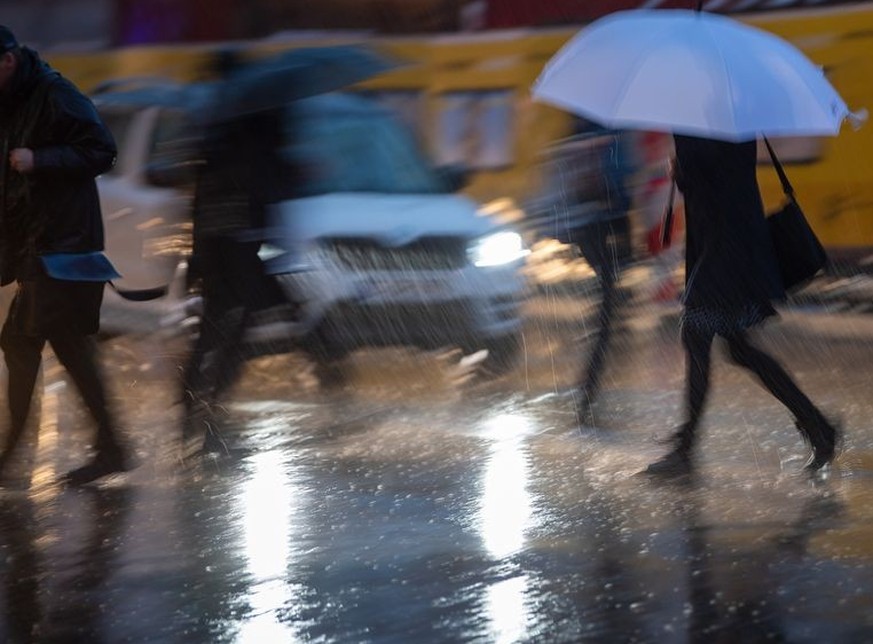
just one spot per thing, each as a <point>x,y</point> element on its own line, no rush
<point>299,73</point>
<point>690,72</point>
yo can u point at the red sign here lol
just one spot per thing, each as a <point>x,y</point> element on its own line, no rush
<point>502,14</point>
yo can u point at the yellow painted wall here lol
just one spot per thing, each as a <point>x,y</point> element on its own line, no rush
<point>836,192</point>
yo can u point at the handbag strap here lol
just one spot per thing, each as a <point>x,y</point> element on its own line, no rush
<point>667,217</point>
<point>783,178</point>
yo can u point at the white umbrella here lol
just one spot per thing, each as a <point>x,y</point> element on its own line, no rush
<point>690,72</point>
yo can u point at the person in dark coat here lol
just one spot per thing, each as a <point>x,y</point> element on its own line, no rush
<point>53,146</point>
<point>732,278</point>
<point>242,173</point>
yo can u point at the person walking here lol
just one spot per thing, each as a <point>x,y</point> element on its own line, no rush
<point>732,278</point>
<point>592,213</point>
<point>53,146</point>
<point>242,173</point>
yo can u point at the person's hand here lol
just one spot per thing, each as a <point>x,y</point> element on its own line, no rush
<point>21,160</point>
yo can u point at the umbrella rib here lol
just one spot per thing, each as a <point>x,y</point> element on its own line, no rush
<point>730,88</point>
<point>638,62</point>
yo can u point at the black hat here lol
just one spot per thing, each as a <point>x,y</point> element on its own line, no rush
<point>7,40</point>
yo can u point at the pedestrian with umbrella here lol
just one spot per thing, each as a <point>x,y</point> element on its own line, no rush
<point>717,85</point>
<point>242,174</point>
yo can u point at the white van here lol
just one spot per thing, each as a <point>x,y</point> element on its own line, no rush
<point>381,249</point>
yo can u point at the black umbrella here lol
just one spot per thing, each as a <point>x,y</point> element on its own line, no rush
<point>298,73</point>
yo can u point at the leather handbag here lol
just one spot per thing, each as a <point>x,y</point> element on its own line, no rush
<point>799,252</point>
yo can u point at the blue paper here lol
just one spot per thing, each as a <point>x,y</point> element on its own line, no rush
<point>79,267</point>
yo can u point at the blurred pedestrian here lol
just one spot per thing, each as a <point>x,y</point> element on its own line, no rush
<point>656,191</point>
<point>242,173</point>
<point>731,280</point>
<point>54,145</point>
<point>600,228</point>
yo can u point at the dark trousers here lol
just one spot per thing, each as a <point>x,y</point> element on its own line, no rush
<point>77,353</point>
<point>606,247</point>
<point>698,348</point>
<point>235,285</point>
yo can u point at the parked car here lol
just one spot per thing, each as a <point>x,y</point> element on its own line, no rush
<point>381,249</point>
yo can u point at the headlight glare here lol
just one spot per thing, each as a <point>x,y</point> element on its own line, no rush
<point>497,249</point>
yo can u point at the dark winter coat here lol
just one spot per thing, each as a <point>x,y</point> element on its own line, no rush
<point>729,259</point>
<point>242,174</point>
<point>56,207</point>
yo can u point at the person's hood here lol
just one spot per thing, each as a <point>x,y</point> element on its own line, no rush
<point>31,69</point>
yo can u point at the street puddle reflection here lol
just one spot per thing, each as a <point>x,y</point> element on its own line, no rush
<point>505,506</point>
<point>266,505</point>
<point>505,514</point>
<point>506,610</point>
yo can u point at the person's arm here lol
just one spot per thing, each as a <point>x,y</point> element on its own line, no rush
<point>85,145</point>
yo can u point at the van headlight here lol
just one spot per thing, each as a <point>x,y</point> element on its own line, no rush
<point>497,249</point>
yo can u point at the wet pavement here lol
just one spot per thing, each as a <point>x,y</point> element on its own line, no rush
<point>426,502</point>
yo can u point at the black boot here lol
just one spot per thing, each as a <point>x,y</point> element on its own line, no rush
<point>213,441</point>
<point>674,464</point>
<point>823,436</point>
<point>583,401</point>
<point>110,459</point>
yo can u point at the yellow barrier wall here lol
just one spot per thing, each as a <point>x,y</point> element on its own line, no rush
<point>835,188</point>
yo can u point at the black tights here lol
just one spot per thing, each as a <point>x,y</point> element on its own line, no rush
<point>698,345</point>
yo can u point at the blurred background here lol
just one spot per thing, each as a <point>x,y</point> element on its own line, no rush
<point>463,90</point>
<point>467,93</point>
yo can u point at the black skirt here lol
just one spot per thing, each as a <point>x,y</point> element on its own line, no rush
<point>726,321</point>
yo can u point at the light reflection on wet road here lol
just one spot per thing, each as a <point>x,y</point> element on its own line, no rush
<point>417,505</point>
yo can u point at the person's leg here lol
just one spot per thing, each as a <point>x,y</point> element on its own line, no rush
<point>231,294</point>
<point>593,243</point>
<point>698,345</point>
<point>78,355</point>
<point>23,356</point>
<point>230,356</point>
<point>200,373</point>
<point>814,427</point>
<point>589,382</point>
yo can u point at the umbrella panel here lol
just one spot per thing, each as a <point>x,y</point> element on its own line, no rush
<point>690,73</point>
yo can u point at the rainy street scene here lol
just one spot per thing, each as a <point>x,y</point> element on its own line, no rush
<point>390,321</point>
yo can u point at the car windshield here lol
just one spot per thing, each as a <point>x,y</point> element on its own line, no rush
<point>347,144</point>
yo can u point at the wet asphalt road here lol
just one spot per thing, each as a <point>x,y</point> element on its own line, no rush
<point>423,502</point>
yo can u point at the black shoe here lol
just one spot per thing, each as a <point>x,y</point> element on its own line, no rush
<point>213,443</point>
<point>673,465</point>
<point>584,400</point>
<point>819,459</point>
<point>824,437</point>
<point>104,463</point>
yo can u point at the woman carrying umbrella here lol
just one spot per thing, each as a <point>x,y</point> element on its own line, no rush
<point>731,278</point>
<point>717,85</point>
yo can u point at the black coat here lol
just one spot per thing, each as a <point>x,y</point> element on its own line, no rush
<point>729,257</point>
<point>56,207</point>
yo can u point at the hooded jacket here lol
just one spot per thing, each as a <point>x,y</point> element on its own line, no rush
<point>55,208</point>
